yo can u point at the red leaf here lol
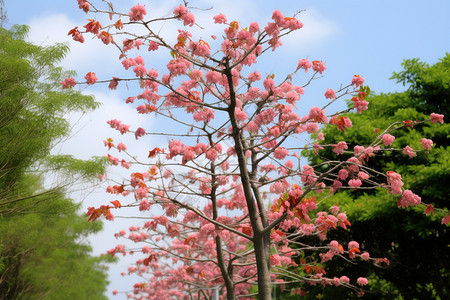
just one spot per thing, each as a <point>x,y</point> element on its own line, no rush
<point>116,204</point>
<point>153,152</point>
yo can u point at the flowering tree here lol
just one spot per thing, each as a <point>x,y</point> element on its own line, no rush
<point>224,200</point>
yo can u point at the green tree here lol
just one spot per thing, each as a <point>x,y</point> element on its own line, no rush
<point>42,250</point>
<point>417,245</point>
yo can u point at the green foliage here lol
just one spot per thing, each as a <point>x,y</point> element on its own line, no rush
<point>417,245</point>
<point>42,250</point>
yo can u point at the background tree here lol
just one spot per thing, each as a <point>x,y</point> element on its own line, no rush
<point>233,151</point>
<point>417,245</point>
<point>42,250</point>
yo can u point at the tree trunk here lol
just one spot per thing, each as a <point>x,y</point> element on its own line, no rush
<point>262,254</point>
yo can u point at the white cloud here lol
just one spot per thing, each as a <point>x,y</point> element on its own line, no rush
<point>316,30</point>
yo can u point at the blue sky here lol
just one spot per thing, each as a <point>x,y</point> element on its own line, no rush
<point>370,38</point>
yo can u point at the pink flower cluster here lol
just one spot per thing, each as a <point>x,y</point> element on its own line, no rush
<point>183,13</point>
<point>317,115</point>
<point>395,181</point>
<point>437,118</point>
<point>426,143</point>
<point>388,139</point>
<point>90,78</point>
<point>220,19</point>
<point>116,124</point>
<point>408,199</point>
<point>330,94</point>
<point>357,80</point>
<point>339,147</point>
<point>68,82</point>
<point>137,13</point>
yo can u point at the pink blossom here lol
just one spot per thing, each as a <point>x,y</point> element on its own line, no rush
<point>121,147</point>
<point>137,13</point>
<point>362,281</point>
<point>105,37</point>
<point>220,19</point>
<point>113,83</point>
<point>292,97</point>
<point>409,151</point>
<point>201,48</point>
<point>344,279</point>
<point>280,153</point>
<point>437,118</point>
<point>140,71</point>
<point>90,78</point>
<point>363,175</point>
<point>139,132</point>
<point>343,174</point>
<point>360,105</point>
<point>304,64</point>
<point>153,46</point>
<point>240,114</point>
<point>128,62</point>
<point>78,37</point>
<point>318,66</point>
<point>330,94</point>
<point>269,84</point>
<point>289,164</point>
<point>357,80</point>
<point>211,154</point>
<point>188,155</point>
<point>388,139</point>
<point>308,176</point>
<point>408,199</point>
<point>426,143</point>
<point>317,115</point>
<point>180,10</point>
<point>68,82</point>
<point>188,19</point>
<point>82,4</point>
<point>272,29</point>
<point>253,28</point>
<point>138,60</point>
<point>307,229</point>
<point>255,76</point>
<point>204,115</point>
<point>337,184</point>
<point>123,128</point>
<point>445,220</point>
<point>178,66</point>
<point>213,77</point>
<point>356,183</point>
<point>144,205</point>
<point>365,256</point>
<point>312,128</point>
<point>251,127</point>
<point>125,164</point>
<point>278,16</point>
<point>395,181</point>
<point>339,147</point>
<point>115,292</point>
<point>275,260</point>
<point>353,166</point>
<point>353,244</point>
<point>196,75</point>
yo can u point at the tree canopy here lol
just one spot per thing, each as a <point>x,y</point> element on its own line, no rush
<point>43,253</point>
<point>416,244</point>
